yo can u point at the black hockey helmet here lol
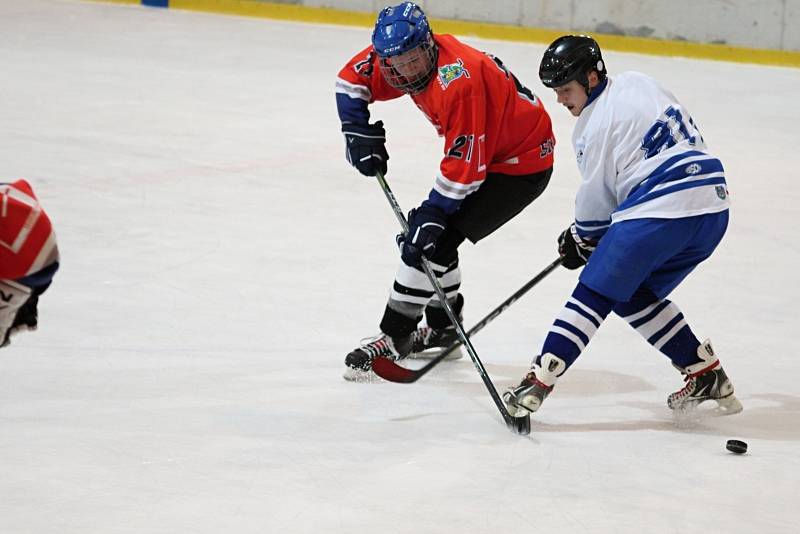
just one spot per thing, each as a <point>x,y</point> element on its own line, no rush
<point>569,58</point>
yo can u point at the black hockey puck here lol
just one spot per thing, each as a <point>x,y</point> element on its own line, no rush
<point>734,445</point>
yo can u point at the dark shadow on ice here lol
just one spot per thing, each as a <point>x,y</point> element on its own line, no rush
<point>577,383</point>
<point>765,416</point>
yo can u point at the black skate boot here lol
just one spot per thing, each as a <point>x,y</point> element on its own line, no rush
<point>529,395</point>
<point>705,381</point>
<point>428,343</point>
<point>27,317</point>
<point>359,361</point>
<point>17,310</point>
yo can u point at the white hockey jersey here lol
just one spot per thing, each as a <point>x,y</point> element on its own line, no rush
<point>640,155</point>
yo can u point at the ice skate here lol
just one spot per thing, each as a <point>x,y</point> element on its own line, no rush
<point>17,311</point>
<point>25,320</point>
<point>359,361</point>
<point>529,395</point>
<point>705,381</point>
<point>428,343</point>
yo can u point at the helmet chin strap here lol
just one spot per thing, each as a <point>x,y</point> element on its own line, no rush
<point>584,81</point>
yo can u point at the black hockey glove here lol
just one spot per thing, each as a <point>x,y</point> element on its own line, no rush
<point>574,249</point>
<point>425,225</point>
<point>365,147</point>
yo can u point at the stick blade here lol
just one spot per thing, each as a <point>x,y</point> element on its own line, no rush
<point>389,370</point>
<point>520,425</point>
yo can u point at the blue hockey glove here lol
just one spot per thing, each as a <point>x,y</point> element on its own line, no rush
<point>425,225</point>
<point>365,147</point>
<point>574,249</point>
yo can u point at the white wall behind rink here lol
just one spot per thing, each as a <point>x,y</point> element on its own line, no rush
<point>768,24</point>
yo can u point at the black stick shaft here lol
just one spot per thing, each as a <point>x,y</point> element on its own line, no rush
<point>389,370</point>
<point>502,307</point>
<point>507,417</point>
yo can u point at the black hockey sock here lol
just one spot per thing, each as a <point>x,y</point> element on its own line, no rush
<point>437,317</point>
<point>397,325</point>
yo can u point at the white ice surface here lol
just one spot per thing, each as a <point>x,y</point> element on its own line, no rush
<point>220,258</point>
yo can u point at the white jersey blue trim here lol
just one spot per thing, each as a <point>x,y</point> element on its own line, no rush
<point>638,162</point>
<point>592,229</point>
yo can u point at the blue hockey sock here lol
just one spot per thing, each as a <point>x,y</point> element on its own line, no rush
<point>580,318</point>
<point>682,348</point>
<point>662,324</point>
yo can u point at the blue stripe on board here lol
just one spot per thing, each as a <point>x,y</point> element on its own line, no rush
<point>155,3</point>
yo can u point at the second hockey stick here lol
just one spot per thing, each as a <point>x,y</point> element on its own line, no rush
<point>520,425</point>
<point>388,369</point>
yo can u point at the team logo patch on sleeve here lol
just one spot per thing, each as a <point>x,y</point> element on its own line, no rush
<point>694,168</point>
<point>450,73</point>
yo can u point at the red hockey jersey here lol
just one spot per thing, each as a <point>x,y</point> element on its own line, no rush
<point>27,241</point>
<point>490,121</point>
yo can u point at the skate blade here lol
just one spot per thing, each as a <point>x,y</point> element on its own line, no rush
<point>515,410</point>
<point>520,410</point>
<point>729,405</point>
<point>432,353</point>
<point>23,328</point>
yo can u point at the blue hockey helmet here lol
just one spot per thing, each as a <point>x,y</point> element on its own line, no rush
<point>571,57</point>
<point>404,43</point>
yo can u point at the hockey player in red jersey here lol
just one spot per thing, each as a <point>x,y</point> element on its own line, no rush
<point>28,258</point>
<point>498,158</point>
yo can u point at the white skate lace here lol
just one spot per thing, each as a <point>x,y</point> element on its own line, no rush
<point>379,345</point>
<point>529,384</point>
<point>423,335</point>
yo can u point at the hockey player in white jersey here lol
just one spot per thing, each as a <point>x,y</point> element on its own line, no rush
<point>652,205</point>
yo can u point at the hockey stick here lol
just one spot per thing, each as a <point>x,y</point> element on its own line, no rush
<point>520,425</point>
<point>389,370</point>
